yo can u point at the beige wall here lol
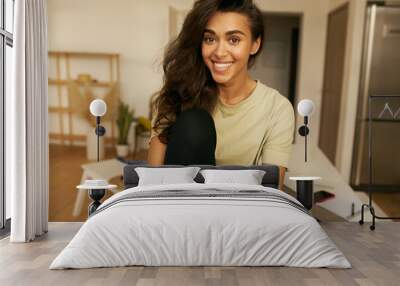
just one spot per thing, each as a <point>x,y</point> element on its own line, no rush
<point>311,54</point>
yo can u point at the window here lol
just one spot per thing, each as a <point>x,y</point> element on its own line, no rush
<point>6,61</point>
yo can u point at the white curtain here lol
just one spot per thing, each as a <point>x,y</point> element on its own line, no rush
<point>26,123</point>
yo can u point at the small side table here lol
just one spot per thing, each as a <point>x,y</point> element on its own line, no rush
<point>96,194</point>
<point>106,169</point>
<point>304,190</point>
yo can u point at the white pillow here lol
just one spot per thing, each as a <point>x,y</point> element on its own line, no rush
<point>163,176</point>
<point>249,177</point>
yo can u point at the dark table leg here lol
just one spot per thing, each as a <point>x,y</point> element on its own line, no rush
<point>96,195</point>
<point>304,190</point>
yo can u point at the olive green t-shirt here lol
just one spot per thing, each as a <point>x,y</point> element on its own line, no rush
<point>257,130</point>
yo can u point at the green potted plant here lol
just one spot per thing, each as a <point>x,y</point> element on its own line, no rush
<point>124,121</point>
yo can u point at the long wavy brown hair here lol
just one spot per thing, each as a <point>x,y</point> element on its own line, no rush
<point>187,80</point>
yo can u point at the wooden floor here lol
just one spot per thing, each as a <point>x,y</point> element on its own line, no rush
<point>65,174</point>
<point>374,255</point>
<point>389,202</point>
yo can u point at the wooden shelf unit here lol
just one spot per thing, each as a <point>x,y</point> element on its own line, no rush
<point>64,57</point>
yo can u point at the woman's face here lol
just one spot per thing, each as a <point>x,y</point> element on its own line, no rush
<point>227,46</point>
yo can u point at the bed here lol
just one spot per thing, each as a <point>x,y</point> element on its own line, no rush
<point>201,224</point>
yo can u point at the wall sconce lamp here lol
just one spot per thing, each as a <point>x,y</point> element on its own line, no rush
<point>98,108</point>
<point>305,108</point>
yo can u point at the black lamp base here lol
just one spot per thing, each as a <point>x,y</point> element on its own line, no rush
<point>304,190</point>
<point>96,195</point>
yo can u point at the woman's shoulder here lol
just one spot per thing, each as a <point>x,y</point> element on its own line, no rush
<point>271,96</point>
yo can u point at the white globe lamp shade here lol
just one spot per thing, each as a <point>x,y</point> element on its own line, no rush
<point>98,107</point>
<point>305,107</point>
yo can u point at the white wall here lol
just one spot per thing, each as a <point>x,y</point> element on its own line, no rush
<point>137,30</point>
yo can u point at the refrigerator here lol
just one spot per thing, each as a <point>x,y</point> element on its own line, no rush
<point>376,151</point>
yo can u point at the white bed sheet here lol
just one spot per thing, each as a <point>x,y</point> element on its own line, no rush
<point>200,231</point>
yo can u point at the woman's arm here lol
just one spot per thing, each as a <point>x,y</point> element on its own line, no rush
<point>156,152</point>
<point>282,171</point>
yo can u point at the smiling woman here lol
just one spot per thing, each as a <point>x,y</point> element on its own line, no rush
<point>210,110</point>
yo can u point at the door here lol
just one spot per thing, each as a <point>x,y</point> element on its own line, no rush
<point>333,79</point>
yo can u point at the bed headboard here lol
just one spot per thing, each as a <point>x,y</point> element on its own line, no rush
<point>270,179</point>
